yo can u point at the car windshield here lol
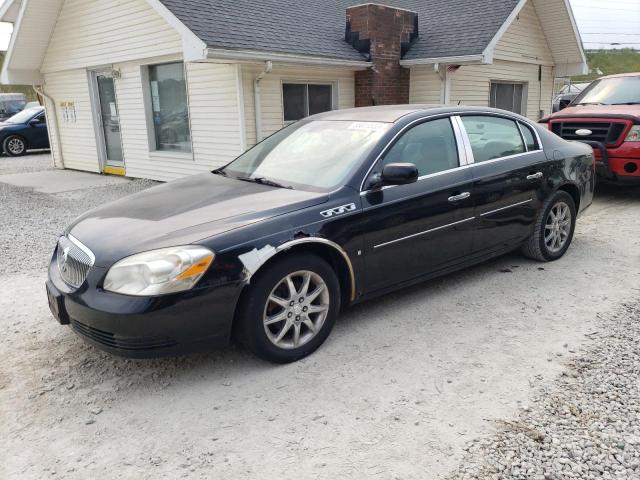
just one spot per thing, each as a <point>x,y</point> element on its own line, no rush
<point>12,106</point>
<point>315,155</point>
<point>611,91</point>
<point>23,116</point>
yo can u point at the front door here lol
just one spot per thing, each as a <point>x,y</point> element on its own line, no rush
<point>421,228</point>
<point>108,120</point>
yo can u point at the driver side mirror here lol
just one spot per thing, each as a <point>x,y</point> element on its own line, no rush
<point>395,174</point>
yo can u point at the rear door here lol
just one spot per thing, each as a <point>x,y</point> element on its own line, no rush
<point>509,171</point>
<point>413,230</point>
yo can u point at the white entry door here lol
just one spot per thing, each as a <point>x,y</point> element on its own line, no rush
<point>107,116</point>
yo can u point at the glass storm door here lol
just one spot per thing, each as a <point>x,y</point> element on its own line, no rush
<point>109,120</point>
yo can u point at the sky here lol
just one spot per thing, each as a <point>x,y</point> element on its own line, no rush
<point>602,23</point>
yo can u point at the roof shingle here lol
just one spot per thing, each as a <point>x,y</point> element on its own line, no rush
<point>311,27</point>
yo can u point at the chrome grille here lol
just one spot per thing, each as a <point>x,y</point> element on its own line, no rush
<point>74,261</point>
<point>606,132</point>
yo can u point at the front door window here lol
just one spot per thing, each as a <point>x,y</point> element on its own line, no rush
<point>110,119</point>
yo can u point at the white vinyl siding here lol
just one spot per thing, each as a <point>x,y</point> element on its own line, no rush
<point>425,85</point>
<point>271,93</point>
<point>78,138</point>
<point>214,116</point>
<point>93,33</point>
<point>471,84</point>
<point>524,40</point>
<point>561,37</point>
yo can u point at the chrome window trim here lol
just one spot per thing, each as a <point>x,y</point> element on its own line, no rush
<point>506,208</point>
<point>424,232</point>
<point>461,142</point>
<point>470,160</point>
<point>536,138</point>
<point>82,247</point>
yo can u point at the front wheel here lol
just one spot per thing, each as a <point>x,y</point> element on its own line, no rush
<point>554,229</point>
<point>290,308</point>
<point>14,146</point>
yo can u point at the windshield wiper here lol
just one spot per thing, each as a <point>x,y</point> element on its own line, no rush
<point>264,181</point>
<point>219,171</point>
<point>592,103</point>
<point>627,103</point>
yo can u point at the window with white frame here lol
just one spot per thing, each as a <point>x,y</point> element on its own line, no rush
<point>169,108</point>
<point>303,99</point>
<point>511,96</point>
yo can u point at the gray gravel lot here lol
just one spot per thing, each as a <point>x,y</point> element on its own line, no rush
<point>468,376</point>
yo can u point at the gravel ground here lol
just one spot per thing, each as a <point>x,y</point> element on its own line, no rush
<point>399,390</point>
<point>585,425</point>
<point>31,221</point>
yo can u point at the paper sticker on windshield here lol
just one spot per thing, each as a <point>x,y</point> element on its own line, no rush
<point>366,126</point>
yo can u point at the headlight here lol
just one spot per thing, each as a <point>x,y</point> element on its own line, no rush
<point>159,272</point>
<point>634,134</point>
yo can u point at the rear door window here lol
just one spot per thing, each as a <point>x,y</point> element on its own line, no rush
<point>493,137</point>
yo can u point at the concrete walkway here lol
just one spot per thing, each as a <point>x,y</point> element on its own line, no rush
<point>58,181</point>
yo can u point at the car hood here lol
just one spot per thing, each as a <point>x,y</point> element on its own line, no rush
<point>597,111</point>
<point>182,212</point>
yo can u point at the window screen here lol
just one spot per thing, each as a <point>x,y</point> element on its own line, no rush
<point>169,107</point>
<point>430,146</point>
<point>507,96</point>
<point>492,137</point>
<point>303,99</point>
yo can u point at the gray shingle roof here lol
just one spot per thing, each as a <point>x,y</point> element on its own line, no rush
<point>316,27</point>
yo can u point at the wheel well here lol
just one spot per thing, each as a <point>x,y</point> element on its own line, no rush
<point>574,192</point>
<point>332,256</point>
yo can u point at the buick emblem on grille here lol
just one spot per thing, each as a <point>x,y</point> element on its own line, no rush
<point>584,132</point>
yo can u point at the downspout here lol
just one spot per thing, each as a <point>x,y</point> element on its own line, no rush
<point>257,99</point>
<point>44,95</point>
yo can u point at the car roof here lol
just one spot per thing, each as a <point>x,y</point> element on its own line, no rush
<point>394,113</point>
<point>618,75</point>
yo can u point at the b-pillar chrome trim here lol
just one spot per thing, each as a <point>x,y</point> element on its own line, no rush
<point>335,246</point>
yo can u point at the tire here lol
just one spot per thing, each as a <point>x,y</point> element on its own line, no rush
<point>14,146</point>
<point>257,307</point>
<point>551,239</point>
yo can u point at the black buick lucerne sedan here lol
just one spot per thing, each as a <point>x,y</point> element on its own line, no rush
<point>329,211</point>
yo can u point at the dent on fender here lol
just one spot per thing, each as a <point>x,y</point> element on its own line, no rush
<point>256,258</point>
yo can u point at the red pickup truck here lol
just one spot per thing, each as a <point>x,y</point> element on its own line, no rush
<point>606,115</point>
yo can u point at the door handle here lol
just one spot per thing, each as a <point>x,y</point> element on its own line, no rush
<point>535,176</point>
<point>462,196</point>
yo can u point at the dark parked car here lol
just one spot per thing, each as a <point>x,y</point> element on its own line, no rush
<point>332,210</point>
<point>24,131</point>
<point>566,95</point>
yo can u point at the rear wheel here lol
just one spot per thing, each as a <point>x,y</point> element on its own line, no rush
<point>554,229</point>
<point>14,146</point>
<point>290,308</point>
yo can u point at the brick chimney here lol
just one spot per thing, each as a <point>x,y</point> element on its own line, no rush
<point>384,34</point>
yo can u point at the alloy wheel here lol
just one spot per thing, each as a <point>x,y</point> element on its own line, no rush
<point>557,227</point>
<point>15,146</point>
<point>296,309</point>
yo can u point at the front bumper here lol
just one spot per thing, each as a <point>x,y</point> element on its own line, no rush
<point>621,164</point>
<point>145,327</point>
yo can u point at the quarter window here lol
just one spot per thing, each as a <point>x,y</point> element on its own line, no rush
<point>529,137</point>
<point>492,137</point>
<point>508,96</point>
<point>303,99</point>
<point>169,107</point>
<point>430,146</point>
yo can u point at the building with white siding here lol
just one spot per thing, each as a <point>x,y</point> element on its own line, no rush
<point>166,88</point>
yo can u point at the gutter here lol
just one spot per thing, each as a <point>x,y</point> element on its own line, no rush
<point>41,92</point>
<point>257,101</point>
<point>461,59</point>
<point>252,56</point>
